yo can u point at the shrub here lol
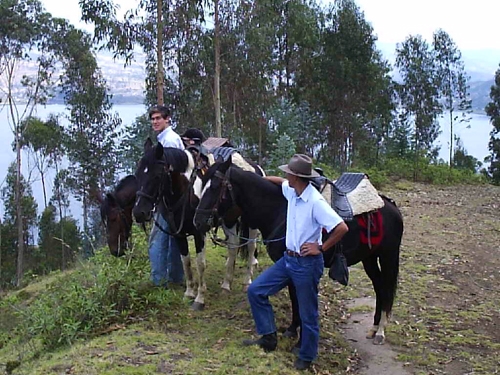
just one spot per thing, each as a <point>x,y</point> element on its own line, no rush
<point>103,291</point>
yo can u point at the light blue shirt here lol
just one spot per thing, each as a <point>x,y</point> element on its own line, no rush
<point>169,138</point>
<point>307,215</point>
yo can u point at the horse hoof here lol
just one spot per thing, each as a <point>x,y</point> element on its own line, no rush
<point>290,333</point>
<point>371,335</point>
<point>378,340</point>
<point>196,306</point>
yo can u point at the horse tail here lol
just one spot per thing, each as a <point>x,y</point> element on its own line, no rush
<point>390,273</point>
<point>389,262</point>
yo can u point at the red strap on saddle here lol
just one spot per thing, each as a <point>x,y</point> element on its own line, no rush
<point>374,234</point>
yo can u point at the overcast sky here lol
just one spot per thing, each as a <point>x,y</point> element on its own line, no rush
<point>472,25</point>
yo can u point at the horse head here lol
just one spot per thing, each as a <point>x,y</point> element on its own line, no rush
<point>217,197</point>
<point>116,214</point>
<point>150,173</point>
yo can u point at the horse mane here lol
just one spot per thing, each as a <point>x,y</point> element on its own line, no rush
<point>178,159</point>
<point>257,181</point>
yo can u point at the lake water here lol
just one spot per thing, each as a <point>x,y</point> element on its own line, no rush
<point>475,140</point>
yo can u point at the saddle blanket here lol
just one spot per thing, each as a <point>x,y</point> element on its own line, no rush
<point>349,203</point>
<point>225,153</point>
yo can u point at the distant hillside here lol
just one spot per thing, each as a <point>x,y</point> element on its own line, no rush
<point>480,94</point>
<point>126,84</point>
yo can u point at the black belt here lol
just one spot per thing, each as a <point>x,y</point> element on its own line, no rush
<point>292,253</point>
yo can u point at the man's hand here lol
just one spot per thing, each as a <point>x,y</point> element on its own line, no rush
<point>309,248</point>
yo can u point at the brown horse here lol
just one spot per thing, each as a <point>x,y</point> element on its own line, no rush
<point>116,214</point>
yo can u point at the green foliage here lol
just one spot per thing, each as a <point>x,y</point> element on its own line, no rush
<point>453,82</point>
<point>131,147</point>
<point>493,111</point>
<point>419,92</point>
<point>433,173</point>
<point>9,243</point>
<point>462,160</point>
<point>58,242</point>
<point>103,291</point>
<point>283,151</point>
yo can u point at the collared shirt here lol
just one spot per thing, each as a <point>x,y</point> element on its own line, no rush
<point>307,215</point>
<point>169,138</point>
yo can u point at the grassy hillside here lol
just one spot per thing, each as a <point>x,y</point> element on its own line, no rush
<point>105,318</point>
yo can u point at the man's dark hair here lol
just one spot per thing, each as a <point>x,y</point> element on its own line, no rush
<point>161,109</point>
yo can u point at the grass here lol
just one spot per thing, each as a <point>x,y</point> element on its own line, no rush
<point>178,340</point>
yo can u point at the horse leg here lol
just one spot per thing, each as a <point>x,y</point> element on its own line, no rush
<point>252,235</point>
<point>201,264</point>
<point>377,332</point>
<point>186,265</point>
<point>232,249</point>
<point>389,267</point>
<point>291,331</point>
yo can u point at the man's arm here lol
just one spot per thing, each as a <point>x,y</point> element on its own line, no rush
<point>335,235</point>
<point>275,179</point>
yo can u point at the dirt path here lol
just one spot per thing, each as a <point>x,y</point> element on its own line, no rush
<point>376,359</point>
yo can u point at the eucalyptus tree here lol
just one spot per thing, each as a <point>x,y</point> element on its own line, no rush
<point>419,95</point>
<point>347,85</point>
<point>92,129</point>
<point>44,141</point>
<point>25,33</point>
<point>453,82</point>
<point>11,199</point>
<point>493,111</point>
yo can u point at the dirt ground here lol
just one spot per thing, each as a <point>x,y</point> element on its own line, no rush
<point>446,318</point>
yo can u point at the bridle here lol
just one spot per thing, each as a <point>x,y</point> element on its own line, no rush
<point>182,203</point>
<point>121,213</point>
<point>226,186</point>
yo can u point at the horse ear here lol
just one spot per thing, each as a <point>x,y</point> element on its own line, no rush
<point>148,144</point>
<point>227,163</point>
<point>159,151</point>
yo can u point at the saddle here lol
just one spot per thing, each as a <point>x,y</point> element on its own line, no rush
<point>223,153</point>
<point>351,195</point>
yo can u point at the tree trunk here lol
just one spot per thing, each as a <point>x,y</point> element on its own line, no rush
<point>451,137</point>
<point>19,212</point>
<point>42,176</point>
<point>218,126</point>
<point>63,258</point>
<point>159,54</point>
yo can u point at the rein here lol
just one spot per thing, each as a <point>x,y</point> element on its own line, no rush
<point>226,185</point>
<point>181,203</point>
<point>123,218</point>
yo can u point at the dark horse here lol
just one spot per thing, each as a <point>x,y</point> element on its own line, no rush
<point>262,205</point>
<point>116,214</point>
<point>166,178</point>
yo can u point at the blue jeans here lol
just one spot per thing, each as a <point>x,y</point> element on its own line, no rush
<point>305,273</point>
<point>164,255</point>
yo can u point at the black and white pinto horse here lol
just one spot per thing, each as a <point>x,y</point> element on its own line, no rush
<point>167,179</point>
<point>263,206</point>
<point>116,214</point>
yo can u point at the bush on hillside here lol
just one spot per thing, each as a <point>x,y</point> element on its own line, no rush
<point>105,290</point>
